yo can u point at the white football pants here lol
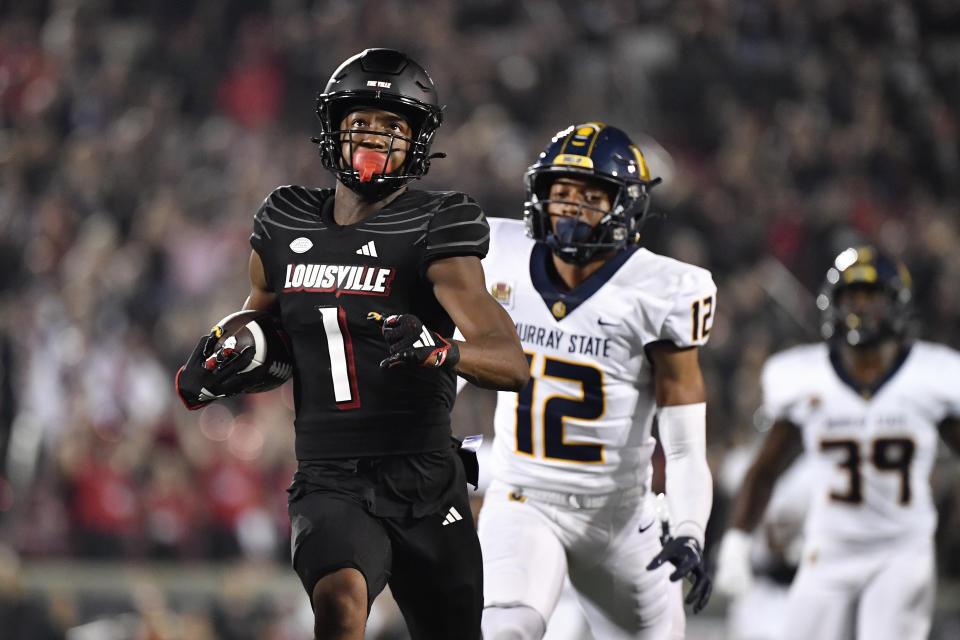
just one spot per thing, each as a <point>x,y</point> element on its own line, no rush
<point>530,546</point>
<point>879,593</point>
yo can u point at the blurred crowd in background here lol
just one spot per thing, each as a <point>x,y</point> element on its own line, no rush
<point>137,139</point>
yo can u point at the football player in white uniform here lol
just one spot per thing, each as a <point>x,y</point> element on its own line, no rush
<point>612,333</point>
<point>866,406</point>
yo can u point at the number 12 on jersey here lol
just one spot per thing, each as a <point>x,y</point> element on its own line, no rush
<point>553,409</point>
<point>702,312</point>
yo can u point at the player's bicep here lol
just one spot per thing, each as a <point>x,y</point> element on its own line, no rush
<point>459,286</point>
<point>677,378</point>
<point>689,322</point>
<point>261,297</point>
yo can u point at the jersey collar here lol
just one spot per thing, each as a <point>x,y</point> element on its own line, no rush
<point>868,391</point>
<point>562,303</point>
<point>326,209</point>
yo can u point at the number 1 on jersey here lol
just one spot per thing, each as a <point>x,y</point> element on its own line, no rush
<point>343,370</point>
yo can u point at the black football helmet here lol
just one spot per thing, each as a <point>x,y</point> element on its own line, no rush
<point>868,268</point>
<point>380,79</point>
<point>602,154</point>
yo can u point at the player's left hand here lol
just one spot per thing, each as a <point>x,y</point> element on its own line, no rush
<point>210,374</point>
<point>412,343</point>
<point>685,554</point>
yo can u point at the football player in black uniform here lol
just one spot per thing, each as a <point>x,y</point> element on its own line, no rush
<point>370,280</point>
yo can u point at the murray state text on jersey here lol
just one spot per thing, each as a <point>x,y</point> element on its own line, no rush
<point>534,335</point>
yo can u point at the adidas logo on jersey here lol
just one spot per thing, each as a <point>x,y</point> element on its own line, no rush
<point>452,516</point>
<point>342,278</point>
<point>368,249</point>
<point>426,340</point>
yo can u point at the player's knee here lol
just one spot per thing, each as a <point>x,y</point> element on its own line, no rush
<point>512,623</point>
<point>339,602</point>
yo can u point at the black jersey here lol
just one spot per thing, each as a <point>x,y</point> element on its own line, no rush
<point>327,278</point>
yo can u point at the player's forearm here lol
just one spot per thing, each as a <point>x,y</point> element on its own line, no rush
<point>494,362</point>
<point>781,447</point>
<point>262,301</point>
<point>752,499</point>
<point>689,484</point>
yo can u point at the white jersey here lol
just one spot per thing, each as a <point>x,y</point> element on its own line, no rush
<point>583,423</point>
<point>872,454</point>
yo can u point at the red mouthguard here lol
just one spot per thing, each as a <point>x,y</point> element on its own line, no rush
<point>368,162</point>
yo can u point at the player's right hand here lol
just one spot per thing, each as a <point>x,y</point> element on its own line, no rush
<point>207,376</point>
<point>685,554</point>
<point>412,343</point>
<point>734,572</point>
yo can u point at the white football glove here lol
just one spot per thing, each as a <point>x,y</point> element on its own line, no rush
<point>734,575</point>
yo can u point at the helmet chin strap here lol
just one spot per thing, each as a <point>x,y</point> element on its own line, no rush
<point>571,254</point>
<point>370,177</point>
<point>566,236</point>
<point>866,339</point>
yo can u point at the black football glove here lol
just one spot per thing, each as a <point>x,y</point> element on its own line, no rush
<point>412,343</point>
<point>685,554</point>
<point>207,375</point>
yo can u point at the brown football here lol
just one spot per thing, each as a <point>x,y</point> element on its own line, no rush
<point>272,363</point>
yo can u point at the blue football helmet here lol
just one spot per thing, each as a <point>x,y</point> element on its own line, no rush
<point>381,79</point>
<point>607,157</point>
<point>867,268</point>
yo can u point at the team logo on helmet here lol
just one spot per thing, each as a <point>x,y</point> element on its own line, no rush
<point>605,156</point>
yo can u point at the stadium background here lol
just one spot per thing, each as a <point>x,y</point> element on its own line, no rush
<point>137,138</point>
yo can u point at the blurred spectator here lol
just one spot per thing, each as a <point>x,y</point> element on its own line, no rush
<point>23,615</point>
<point>171,507</point>
<point>98,483</point>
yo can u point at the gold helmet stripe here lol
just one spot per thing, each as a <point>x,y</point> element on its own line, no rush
<point>589,131</point>
<point>860,273</point>
<point>644,171</point>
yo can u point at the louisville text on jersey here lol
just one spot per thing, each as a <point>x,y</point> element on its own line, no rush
<point>342,278</point>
